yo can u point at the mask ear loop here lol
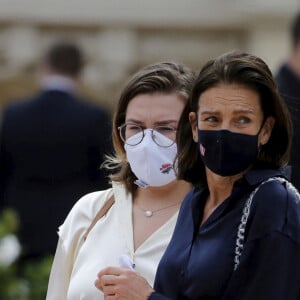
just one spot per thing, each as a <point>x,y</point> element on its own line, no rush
<point>258,133</point>
<point>262,125</point>
<point>260,129</point>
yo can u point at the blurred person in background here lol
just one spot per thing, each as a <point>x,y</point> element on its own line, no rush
<point>141,208</point>
<point>51,147</point>
<point>288,81</point>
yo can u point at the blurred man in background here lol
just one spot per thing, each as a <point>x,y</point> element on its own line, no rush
<point>288,80</point>
<point>51,148</point>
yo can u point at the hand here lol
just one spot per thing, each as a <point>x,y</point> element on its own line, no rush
<point>122,284</point>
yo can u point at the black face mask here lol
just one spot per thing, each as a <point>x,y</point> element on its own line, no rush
<point>227,153</point>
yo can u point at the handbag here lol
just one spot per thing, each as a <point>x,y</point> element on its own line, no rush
<point>240,240</point>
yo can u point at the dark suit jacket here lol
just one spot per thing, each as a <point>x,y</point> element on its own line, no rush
<point>52,146</point>
<point>289,87</point>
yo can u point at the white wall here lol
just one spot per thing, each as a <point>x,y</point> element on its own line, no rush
<point>119,36</point>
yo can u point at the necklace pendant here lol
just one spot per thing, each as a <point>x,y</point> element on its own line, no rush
<point>148,213</point>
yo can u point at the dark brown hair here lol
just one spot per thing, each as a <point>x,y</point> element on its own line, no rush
<point>252,72</point>
<point>164,78</point>
<point>65,58</point>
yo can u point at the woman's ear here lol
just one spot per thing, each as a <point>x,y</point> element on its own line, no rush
<point>194,125</point>
<point>266,130</point>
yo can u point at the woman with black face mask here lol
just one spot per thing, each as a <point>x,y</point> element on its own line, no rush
<point>237,236</point>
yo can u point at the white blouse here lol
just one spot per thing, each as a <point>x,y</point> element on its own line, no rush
<point>77,262</point>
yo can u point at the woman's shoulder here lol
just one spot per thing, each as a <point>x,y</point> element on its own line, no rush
<point>277,195</point>
<point>88,205</point>
<point>83,213</point>
<point>276,207</point>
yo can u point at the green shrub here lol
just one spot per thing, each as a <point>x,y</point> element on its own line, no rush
<point>26,282</point>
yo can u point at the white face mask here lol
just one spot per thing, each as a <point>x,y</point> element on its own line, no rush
<point>151,164</point>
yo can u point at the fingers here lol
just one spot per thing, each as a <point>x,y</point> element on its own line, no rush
<point>108,276</point>
<point>98,284</point>
<point>110,271</point>
<point>109,290</point>
<point>109,297</point>
<point>105,280</point>
<point>105,272</point>
<point>122,284</point>
<point>108,285</point>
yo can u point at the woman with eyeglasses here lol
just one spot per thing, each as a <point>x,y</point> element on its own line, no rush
<point>129,225</point>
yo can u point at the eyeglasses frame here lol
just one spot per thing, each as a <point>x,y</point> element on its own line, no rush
<point>143,132</point>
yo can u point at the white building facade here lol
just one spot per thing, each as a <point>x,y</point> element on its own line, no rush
<point>120,36</point>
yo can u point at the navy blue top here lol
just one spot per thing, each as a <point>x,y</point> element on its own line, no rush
<point>289,87</point>
<point>199,261</point>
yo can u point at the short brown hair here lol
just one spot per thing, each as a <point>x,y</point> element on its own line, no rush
<point>165,78</point>
<point>65,58</point>
<point>248,70</point>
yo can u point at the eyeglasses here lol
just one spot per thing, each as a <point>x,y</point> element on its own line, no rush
<point>133,134</point>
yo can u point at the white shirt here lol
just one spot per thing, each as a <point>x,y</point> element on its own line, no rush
<point>58,82</point>
<point>77,263</point>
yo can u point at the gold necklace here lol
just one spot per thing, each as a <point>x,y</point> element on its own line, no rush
<point>149,213</point>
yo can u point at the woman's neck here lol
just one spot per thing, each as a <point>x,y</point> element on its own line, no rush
<point>220,187</point>
<point>154,197</point>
